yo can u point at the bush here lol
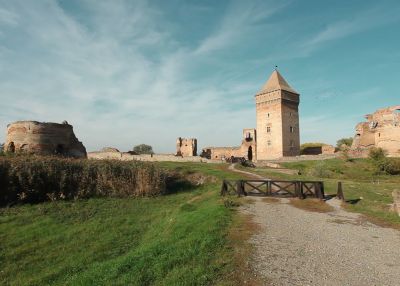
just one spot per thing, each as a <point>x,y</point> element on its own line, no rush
<point>143,149</point>
<point>344,141</point>
<point>388,166</point>
<point>320,170</point>
<point>35,179</point>
<point>377,154</point>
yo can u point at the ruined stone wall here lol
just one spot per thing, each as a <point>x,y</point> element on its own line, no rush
<point>144,157</point>
<point>221,153</point>
<point>382,129</point>
<point>186,147</point>
<point>247,149</point>
<point>328,149</point>
<point>43,138</point>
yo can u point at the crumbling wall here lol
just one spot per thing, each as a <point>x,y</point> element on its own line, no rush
<point>246,150</point>
<point>127,156</point>
<point>328,149</point>
<point>221,153</point>
<point>381,129</point>
<point>43,138</point>
<point>186,147</point>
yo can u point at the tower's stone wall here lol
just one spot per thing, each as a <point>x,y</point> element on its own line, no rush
<point>277,117</point>
<point>186,147</point>
<point>43,138</point>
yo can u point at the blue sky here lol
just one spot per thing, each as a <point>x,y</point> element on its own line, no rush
<point>130,72</point>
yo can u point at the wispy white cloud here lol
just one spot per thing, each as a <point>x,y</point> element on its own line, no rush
<point>363,20</point>
<point>241,20</point>
<point>98,76</point>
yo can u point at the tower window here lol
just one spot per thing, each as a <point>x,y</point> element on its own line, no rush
<point>290,114</point>
<point>268,129</point>
<point>269,142</point>
<point>291,129</point>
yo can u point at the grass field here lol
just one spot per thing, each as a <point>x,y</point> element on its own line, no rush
<point>177,239</point>
<point>369,192</point>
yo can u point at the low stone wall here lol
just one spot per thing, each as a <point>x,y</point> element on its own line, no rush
<point>149,158</point>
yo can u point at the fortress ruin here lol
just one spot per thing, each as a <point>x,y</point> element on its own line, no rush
<point>277,118</point>
<point>382,129</point>
<point>186,147</point>
<point>43,138</point>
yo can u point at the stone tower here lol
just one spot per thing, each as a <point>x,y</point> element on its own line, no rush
<point>277,119</point>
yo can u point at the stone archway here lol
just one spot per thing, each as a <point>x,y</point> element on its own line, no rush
<point>250,153</point>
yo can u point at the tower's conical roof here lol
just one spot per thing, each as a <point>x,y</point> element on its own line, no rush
<point>276,82</point>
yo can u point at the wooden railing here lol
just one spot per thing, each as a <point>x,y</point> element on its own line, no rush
<point>281,188</point>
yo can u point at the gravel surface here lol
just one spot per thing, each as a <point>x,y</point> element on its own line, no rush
<point>297,247</point>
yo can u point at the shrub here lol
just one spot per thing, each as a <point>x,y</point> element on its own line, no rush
<point>377,154</point>
<point>320,170</point>
<point>36,179</point>
<point>388,166</point>
<point>344,141</point>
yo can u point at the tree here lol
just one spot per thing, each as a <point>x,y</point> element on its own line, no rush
<point>143,149</point>
<point>344,141</point>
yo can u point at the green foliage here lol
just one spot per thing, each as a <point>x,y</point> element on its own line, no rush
<point>383,165</point>
<point>179,239</point>
<point>143,149</point>
<point>36,179</point>
<point>320,170</point>
<point>344,141</point>
<point>377,154</point>
<point>388,166</point>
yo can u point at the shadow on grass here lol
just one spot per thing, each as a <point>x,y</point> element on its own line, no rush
<point>178,184</point>
<point>353,202</point>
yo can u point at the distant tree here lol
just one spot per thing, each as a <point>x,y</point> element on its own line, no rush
<point>344,141</point>
<point>143,149</point>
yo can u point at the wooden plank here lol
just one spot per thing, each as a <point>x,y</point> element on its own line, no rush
<point>255,187</point>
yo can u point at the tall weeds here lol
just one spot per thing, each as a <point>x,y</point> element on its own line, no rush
<point>35,179</point>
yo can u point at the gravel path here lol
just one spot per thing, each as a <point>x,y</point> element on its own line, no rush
<point>297,247</point>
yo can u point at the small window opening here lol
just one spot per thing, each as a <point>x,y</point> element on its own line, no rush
<point>11,147</point>
<point>291,129</point>
<point>269,142</point>
<point>60,149</point>
<point>268,129</point>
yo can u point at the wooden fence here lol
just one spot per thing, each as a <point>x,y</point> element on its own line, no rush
<point>300,189</point>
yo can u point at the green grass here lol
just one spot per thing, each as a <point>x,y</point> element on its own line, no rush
<point>177,239</point>
<point>359,181</point>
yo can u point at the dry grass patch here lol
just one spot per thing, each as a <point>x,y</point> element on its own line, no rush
<point>241,231</point>
<point>313,205</point>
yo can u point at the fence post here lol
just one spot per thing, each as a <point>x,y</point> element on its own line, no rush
<point>301,193</point>
<point>318,191</point>
<point>340,194</point>
<point>239,187</point>
<point>224,188</point>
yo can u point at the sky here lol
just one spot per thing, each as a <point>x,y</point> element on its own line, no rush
<point>130,72</point>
